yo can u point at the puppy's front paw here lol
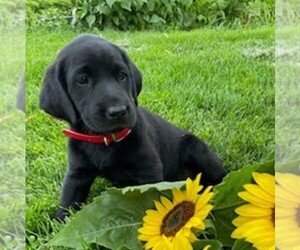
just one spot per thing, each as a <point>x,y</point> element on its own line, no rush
<point>61,215</point>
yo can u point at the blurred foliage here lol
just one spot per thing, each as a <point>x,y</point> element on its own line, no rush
<point>50,13</point>
<point>12,13</point>
<point>287,12</point>
<point>149,14</point>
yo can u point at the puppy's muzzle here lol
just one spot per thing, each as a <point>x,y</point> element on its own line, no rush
<point>117,112</point>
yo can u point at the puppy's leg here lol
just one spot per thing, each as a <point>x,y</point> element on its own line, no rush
<point>76,187</point>
<point>152,174</point>
<point>150,167</point>
<point>197,157</point>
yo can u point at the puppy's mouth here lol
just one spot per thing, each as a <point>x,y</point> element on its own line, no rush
<point>108,132</point>
<point>105,129</point>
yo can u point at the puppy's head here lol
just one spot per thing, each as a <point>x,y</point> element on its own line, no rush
<point>92,81</point>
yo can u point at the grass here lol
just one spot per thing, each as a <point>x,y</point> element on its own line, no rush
<point>219,84</point>
<point>12,146</point>
<point>287,99</point>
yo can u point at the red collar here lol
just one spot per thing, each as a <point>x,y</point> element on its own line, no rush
<point>98,139</point>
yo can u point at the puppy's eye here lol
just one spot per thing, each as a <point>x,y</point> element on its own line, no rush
<point>122,76</point>
<point>83,79</point>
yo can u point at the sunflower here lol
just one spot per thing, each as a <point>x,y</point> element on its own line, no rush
<point>255,221</point>
<point>169,226</point>
<point>287,211</point>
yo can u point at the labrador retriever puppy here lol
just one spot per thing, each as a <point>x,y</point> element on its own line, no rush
<point>94,86</point>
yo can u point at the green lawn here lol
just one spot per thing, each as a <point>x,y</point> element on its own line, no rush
<point>12,136</point>
<point>219,84</point>
<point>287,99</point>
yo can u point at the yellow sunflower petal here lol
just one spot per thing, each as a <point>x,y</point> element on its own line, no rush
<point>250,210</point>
<point>152,242</point>
<point>143,237</point>
<point>260,192</point>
<point>166,241</point>
<point>286,197</point>
<point>266,240</point>
<point>181,243</point>
<point>193,188</point>
<point>166,202</point>
<point>192,237</point>
<point>154,214</point>
<point>247,228</point>
<point>196,184</point>
<point>203,212</point>
<point>287,226</point>
<point>187,233</point>
<point>191,194</point>
<point>160,246</point>
<point>149,230</point>
<point>204,198</point>
<point>290,182</point>
<point>151,220</point>
<point>160,208</point>
<point>255,200</point>
<point>265,181</point>
<point>178,196</point>
<point>285,212</point>
<point>240,220</point>
<point>195,222</point>
<point>262,237</point>
<point>237,234</point>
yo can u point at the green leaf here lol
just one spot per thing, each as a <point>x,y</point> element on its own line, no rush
<point>186,3</point>
<point>157,186</point>
<point>226,198</point>
<point>91,20</point>
<point>111,220</point>
<point>156,19</point>
<point>201,18</point>
<point>214,244</point>
<point>222,4</point>
<point>126,4</point>
<point>105,10</point>
<point>110,3</point>
<point>146,18</point>
<point>116,20</point>
<point>151,5</point>
<point>99,7</point>
<point>210,226</point>
<point>139,4</point>
<point>241,244</point>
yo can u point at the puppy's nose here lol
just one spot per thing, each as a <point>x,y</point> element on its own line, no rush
<point>117,112</point>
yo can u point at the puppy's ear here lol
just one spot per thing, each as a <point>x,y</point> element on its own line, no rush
<point>136,76</point>
<point>54,98</point>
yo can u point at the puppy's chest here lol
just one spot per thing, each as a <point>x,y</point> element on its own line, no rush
<point>103,157</point>
<point>115,166</point>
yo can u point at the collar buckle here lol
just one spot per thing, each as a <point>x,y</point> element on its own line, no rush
<point>106,141</point>
<point>113,136</point>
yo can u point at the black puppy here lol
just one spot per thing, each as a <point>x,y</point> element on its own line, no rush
<point>94,87</point>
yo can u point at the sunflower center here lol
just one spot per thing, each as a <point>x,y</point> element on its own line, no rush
<point>298,216</point>
<point>177,218</point>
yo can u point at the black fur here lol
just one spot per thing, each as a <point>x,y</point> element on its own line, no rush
<point>91,77</point>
